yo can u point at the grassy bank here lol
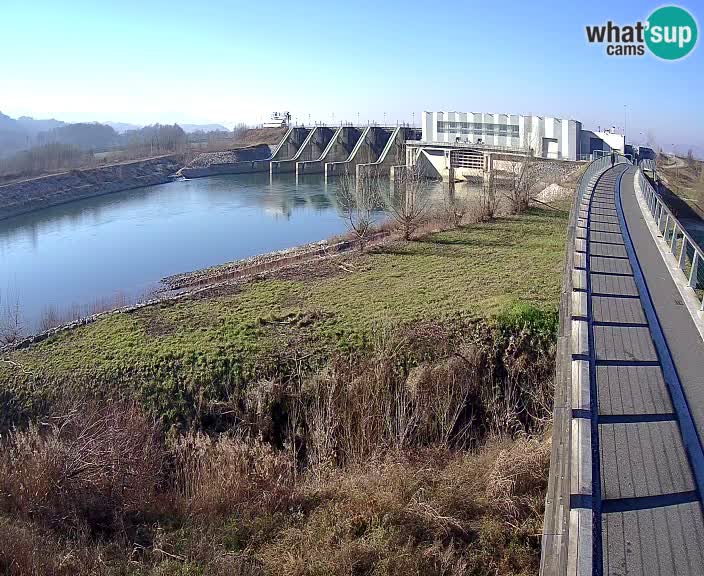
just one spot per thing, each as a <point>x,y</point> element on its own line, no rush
<point>382,413</point>
<point>208,346</point>
<point>685,178</point>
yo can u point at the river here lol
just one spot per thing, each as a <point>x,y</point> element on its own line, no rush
<point>71,260</point>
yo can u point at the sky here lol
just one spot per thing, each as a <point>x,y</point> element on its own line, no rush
<point>228,62</point>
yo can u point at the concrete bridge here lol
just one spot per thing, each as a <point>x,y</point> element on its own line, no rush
<point>627,468</point>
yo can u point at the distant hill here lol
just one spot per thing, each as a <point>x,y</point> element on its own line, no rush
<point>84,135</point>
<point>13,136</point>
<point>25,132</point>
<point>190,128</point>
<point>35,126</point>
<point>121,127</point>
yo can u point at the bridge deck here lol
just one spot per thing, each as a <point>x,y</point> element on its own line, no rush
<point>647,515</point>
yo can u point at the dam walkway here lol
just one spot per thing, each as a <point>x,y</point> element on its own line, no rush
<point>627,468</point>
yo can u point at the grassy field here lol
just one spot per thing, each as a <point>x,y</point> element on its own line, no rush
<point>685,177</point>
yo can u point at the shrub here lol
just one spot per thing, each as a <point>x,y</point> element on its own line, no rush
<point>216,477</point>
<point>93,468</point>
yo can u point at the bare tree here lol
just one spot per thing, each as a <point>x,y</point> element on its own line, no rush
<point>408,201</point>
<point>11,323</point>
<point>488,201</point>
<point>455,209</point>
<point>523,176</point>
<point>358,200</point>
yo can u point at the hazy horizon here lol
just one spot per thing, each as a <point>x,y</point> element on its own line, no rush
<point>228,63</point>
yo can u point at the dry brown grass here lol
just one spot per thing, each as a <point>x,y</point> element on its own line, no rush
<point>217,477</point>
<point>427,511</point>
<point>94,469</point>
<point>422,455</point>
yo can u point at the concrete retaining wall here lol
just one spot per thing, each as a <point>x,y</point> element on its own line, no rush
<point>37,193</point>
<point>287,148</point>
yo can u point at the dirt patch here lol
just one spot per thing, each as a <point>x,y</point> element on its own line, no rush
<point>256,136</point>
<point>159,327</point>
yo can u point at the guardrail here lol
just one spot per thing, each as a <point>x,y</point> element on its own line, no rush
<point>567,535</point>
<point>687,253</point>
<point>595,168</point>
<point>647,164</point>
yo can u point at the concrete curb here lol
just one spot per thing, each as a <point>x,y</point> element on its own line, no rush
<point>688,295</point>
<point>568,527</point>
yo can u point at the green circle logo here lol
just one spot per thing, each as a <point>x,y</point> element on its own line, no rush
<point>671,32</point>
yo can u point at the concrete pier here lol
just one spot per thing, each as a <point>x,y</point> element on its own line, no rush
<point>338,149</point>
<point>311,149</point>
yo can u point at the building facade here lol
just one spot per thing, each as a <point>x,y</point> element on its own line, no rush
<point>593,143</point>
<point>548,137</point>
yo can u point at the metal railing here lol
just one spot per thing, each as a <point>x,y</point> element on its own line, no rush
<point>647,164</point>
<point>687,253</point>
<point>595,168</point>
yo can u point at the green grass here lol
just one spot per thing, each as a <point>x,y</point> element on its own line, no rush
<point>177,353</point>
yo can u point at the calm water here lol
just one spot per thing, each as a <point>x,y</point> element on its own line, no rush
<point>73,259</point>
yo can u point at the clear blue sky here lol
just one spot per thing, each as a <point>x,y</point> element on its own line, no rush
<point>215,61</point>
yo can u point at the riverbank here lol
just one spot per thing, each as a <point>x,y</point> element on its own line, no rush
<point>329,413</point>
<point>37,193</point>
<point>477,271</point>
<point>216,163</point>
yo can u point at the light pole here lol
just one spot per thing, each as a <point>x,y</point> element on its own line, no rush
<point>624,124</point>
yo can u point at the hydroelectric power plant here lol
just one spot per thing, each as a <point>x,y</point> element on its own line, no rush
<point>449,146</point>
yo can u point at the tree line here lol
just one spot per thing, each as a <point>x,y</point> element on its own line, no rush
<point>76,145</point>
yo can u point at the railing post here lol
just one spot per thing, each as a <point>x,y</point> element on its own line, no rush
<point>683,253</point>
<point>659,216</point>
<point>693,271</point>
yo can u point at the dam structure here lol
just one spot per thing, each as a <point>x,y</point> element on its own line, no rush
<point>338,149</point>
<point>329,150</point>
<point>393,154</point>
<point>368,149</point>
<point>289,146</point>
<point>312,148</point>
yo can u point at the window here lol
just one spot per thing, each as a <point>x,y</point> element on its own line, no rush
<point>478,128</point>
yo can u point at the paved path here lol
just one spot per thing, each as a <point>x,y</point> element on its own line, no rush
<point>637,401</point>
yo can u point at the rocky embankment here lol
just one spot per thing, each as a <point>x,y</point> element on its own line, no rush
<point>27,195</point>
<point>226,162</point>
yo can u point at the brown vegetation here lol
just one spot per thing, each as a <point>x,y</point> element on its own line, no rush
<point>395,461</point>
<point>409,201</point>
<point>523,178</point>
<point>359,199</point>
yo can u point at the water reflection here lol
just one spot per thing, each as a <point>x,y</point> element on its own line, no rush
<point>73,255</point>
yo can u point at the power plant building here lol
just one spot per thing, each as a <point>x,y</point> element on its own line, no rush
<point>546,136</point>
